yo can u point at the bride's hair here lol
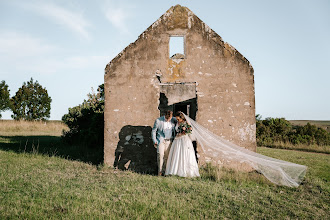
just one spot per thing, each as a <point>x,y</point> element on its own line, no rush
<point>180,114</point>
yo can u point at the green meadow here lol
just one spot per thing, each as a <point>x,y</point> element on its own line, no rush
<point>43,178</point>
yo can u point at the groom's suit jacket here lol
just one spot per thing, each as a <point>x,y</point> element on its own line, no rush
<point>158,131</point>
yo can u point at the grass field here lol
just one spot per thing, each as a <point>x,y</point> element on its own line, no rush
<point>41,177</point>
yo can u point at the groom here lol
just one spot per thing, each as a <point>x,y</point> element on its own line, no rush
<point>162,135</point>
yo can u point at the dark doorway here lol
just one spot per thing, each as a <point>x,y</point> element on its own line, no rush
<point>173,94</point>
<point>188,107</point>
<point>163,104</point>
<point>178,97</point>
<point>182,108</point>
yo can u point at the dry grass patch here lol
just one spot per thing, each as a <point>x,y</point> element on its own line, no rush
<point>301,147</point>
<point>26,128</point>
<point>322,124</point>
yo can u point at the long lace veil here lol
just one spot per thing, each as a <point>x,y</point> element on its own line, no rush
<point>277,171</point>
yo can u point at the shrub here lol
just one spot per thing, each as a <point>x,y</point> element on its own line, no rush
<point>273,130</point>
<point>86,121</point>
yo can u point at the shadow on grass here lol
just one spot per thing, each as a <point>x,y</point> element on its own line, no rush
<point>52,146</point>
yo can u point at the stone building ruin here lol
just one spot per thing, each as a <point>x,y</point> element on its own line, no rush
<point>210,81</point>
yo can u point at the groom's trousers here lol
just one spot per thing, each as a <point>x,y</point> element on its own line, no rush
<point>163,150</point>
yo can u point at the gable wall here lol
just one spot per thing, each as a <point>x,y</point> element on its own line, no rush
<point>225,87</point>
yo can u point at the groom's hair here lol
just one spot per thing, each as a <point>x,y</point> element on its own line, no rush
<point>168,113</point>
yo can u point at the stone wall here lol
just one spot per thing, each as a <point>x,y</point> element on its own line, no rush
<point>224,88</point>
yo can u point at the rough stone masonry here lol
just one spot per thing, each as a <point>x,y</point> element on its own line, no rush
<point>211,82</point>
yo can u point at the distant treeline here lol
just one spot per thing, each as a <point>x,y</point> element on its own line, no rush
<point>272,130</point>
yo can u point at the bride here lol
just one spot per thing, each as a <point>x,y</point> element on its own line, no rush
<point>182,162</point>
<point>181,159</point>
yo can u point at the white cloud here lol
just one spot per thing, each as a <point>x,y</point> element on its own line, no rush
<point>83,62</point>
<point>22,53</point>
<point>15,44</point>
<point>73,20</point>
<point>25,53</point>
<point>64,65</point>
<point>117,15</point>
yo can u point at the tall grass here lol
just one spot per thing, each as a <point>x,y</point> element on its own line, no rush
<point>25,128</point>
<point>219,174</point>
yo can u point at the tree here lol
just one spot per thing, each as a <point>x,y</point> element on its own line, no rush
<point>258,117</point>
<point>4,97</point>
<point>31,102</point>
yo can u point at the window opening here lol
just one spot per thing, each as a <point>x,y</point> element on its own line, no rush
<point>177,47</point>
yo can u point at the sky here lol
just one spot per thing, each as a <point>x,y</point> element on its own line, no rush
<point>66,44</point>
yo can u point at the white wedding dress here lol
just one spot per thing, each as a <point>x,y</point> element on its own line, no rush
<point>181,159</point>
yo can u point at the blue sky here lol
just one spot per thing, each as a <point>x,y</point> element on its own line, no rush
<point>65,45</point>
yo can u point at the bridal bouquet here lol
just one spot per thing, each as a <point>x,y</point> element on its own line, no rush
<point>185,129</point>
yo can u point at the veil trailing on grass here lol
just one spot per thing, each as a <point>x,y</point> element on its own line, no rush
<point>277,171</point>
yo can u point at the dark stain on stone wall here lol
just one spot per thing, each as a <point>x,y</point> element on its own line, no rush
<point>135,149</point>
